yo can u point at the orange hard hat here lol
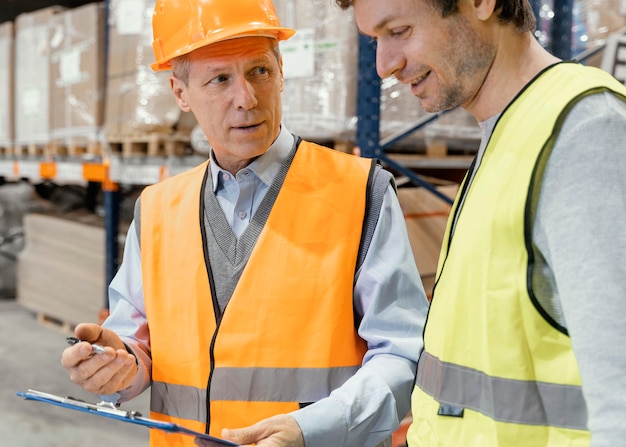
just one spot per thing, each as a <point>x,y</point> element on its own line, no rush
<point>181,26</point>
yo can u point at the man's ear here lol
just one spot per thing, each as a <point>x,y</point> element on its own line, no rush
<point>180,91</point>
<point>484,8</point>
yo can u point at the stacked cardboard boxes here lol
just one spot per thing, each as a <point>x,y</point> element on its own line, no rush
<point>76,77</point>
<point>321,80</point>
<point>138,100</point>
<point>319,100</point>
<point>32,76</point>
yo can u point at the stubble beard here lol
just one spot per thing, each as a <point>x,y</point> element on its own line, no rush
<point>471,58</point>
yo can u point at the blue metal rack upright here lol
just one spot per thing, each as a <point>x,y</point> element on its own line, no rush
<point>111,198</point>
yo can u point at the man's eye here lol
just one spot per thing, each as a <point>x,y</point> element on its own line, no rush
<point>399,32</point>
<point>218,79</point>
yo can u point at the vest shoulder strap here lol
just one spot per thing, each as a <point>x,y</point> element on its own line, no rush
<point>380,179</point>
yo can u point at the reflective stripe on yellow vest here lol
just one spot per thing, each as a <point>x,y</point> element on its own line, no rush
<point>287,336</point>
<point>494,371</point>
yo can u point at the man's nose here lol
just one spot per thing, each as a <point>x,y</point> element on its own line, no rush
<point>388,60</point>
<point>245,95</point>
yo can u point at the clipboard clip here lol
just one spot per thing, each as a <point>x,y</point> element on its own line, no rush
<point>101,407</point>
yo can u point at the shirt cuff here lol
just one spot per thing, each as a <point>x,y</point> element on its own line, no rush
<point>322,423</point>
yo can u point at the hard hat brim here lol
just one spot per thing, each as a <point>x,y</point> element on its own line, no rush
<point>279,33</point>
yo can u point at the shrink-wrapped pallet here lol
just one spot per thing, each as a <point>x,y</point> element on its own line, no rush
<point>6,86</point>
<point>321,81</point>
<point>77,77</point>
<point>319,99</point>
<point>138,100</point>
<point>399,111</point>
<point>32,76</point>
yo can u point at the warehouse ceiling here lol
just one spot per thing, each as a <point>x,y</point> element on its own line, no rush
<point>12,8</point>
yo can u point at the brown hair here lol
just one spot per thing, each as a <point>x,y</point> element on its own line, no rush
<point>518,12</point>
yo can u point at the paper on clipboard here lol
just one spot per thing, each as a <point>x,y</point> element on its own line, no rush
<point>109,410</point>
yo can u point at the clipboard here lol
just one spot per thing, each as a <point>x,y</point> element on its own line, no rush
<point>108,409</point>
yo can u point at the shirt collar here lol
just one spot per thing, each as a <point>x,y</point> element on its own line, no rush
<point>265,167</point>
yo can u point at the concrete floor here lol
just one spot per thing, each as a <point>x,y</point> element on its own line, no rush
<point>30,354</point>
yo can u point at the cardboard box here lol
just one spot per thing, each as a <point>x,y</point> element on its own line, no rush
<point>6,85</point>
<point>77,75</point>
<point>32,76</point>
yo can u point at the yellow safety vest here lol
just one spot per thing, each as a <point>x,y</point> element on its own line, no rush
<point>494,371</point>
<point>287,336</point>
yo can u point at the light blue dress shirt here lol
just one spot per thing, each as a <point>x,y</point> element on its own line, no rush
<point>388,295</point>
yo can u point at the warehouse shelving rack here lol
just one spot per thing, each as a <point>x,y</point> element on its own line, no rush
<point>111,171</point>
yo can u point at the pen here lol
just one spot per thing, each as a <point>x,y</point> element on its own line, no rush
<point>95,349</point>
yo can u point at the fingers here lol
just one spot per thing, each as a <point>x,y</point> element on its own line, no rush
<point>104,373</point>
<point>95,333</point>
<point>89,332</point>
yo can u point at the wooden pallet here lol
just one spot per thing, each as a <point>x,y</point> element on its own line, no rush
<point>55,323</point>
<point>33,150</point>
<point>152,145</point>
<point>76,148</point>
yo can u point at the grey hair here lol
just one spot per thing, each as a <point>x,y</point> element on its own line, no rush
<point>181,64</point>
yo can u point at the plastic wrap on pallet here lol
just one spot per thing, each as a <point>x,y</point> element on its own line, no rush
<point>6,86</point>
<point>458,124</point>
<point>596,21</point>
<point>77,79</point>
<point>319,99</point>
<point>399,110</point>
<point>138,100</point>
<point>32,76</point>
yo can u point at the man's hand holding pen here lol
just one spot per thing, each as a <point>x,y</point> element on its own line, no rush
<point>107,369</point>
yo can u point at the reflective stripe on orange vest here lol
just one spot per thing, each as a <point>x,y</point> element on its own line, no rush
<point>282,385</point>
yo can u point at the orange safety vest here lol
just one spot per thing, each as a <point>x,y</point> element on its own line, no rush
<point>287,336</point>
